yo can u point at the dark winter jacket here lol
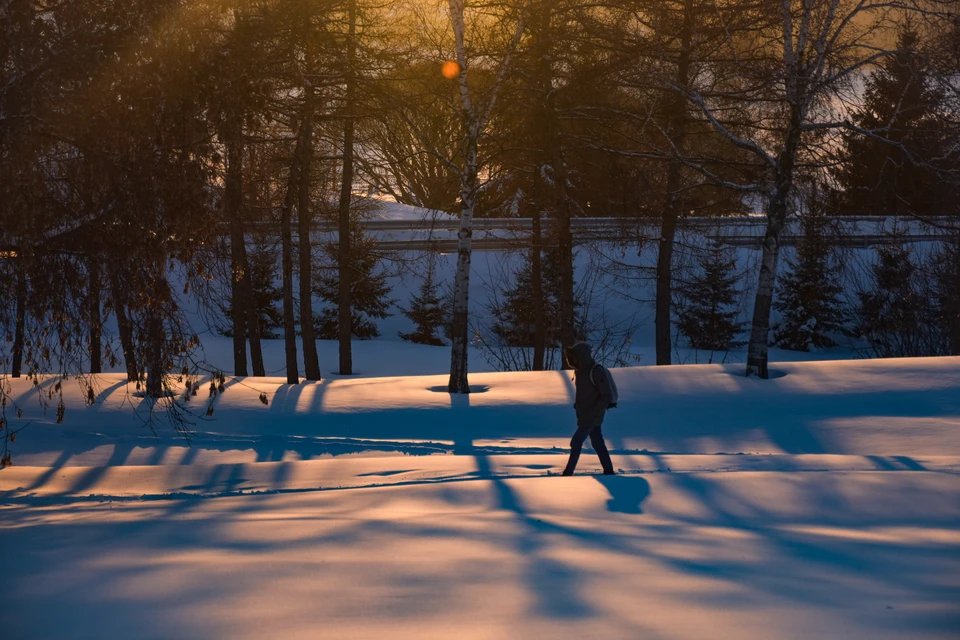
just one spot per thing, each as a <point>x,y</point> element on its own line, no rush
<point>592,399</point>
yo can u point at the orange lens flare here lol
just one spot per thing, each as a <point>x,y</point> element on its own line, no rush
<point>450,69</point>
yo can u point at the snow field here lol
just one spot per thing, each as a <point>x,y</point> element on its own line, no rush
<point>822,503</point>
<point>744,555</point>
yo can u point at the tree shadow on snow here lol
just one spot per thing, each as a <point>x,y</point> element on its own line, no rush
<point>554,585</point>
<point>786,563</point>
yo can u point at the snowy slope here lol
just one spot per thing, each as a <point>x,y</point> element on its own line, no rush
<point>388,209</point>
<point>906,407</point>
<point>385,508</point>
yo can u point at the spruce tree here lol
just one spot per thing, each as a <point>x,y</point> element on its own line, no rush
<point>944,265</point>
<point>515,317</point>
<point>369,291</point>
<point>265,293</point>
<point>426,311</point>
<point>707,315</point>
<point>905,177</point>
<point>889,314</point>
<point>809,292</point>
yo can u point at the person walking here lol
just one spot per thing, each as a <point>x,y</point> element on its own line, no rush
<point>593,396</point>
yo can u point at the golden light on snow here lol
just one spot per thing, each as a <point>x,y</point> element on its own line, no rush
<point>450,69</point>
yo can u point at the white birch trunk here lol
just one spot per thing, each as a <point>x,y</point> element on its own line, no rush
<point>760,326</point>
<point>461,285</point>
<point>475,118</point>
<point>823,43</point>
<point>459,333</point>
<point>778,200</point>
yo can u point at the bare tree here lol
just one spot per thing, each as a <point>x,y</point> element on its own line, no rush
<point>552,149</point>
<point>286,267</point>
<point>311,361</point>
<point>20,315</point>
<point>779,83</point>
<point>94,316</point>
<point>475,113</point>
<point>231,108</point>
<point>233,205</point>
<point>678,123</point>
<point>655,47</point>
<point>345,302</point>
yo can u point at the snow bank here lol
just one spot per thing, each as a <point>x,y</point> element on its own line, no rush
<point>896,407</point>
<point>386,508</point>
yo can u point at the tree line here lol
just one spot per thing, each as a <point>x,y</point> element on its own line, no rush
<point>143,143</point>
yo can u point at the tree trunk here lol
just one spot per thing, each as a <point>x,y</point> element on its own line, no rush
<point>311,362</point>
<point>247,293</point>
<point>541,35</point>
<point>536,280</point>
<point>474,120</point>
<point>156,337</point>
<point>461,285</point>
<point>233,205</point>
<point>564,243</point>
<point>561,208</point>
<point>124,327</point>
<point>777,207</point>
<point>953,302</point>
<point>664,296</point>
<point>668,223</point>
<point>289,321</point>
<point>760,327</point>
<point>345,302</point>
<point>20,321</point>
<point>155,355</point>
<point>94,318</point>
<point>253,322</point>
<point>253,316</point>
<point>154,387</point>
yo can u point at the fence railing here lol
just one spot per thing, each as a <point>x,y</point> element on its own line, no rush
<point>494,234</point>
<point>439,232</point>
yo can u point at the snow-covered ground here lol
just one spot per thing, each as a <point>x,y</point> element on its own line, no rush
<point>823,503</point>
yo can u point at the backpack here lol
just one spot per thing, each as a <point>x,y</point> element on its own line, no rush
<point>614,396</point>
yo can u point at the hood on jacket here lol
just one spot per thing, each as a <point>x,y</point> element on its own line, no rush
<point>579,356</point>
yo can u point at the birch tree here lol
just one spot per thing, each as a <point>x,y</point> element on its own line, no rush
<point>780,82</point>
<point>475,110</point>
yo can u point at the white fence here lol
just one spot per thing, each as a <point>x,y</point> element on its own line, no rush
<point>494,234</point>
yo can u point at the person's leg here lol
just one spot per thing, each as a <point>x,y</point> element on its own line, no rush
<point>576,445</point>
<point>596,441</point>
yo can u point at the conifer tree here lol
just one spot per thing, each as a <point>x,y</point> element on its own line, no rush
<point>899,172</point>
<point>809,292</point>
<point>946,294</point>
<point>515,321</point>
<point>264,293</point>
<point>369,291</point>
<point>426,311</point>
<point>707,316</point>
<point>515,318</point>
<point>889,315</point>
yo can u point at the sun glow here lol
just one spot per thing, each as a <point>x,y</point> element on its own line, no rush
<point>450,69</point>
